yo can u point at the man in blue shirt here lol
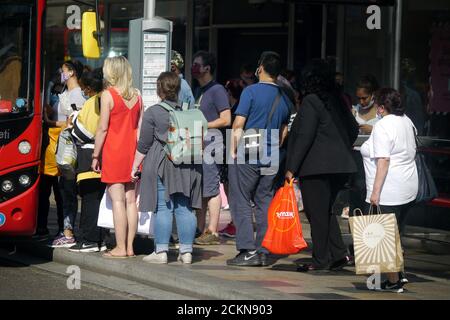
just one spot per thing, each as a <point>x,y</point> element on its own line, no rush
<point>262,106</point>
<point>185,95</point>
<point>212,99</point>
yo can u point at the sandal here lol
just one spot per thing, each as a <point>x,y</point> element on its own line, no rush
<point>109,255</point>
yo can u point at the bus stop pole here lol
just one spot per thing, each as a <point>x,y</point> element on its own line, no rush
<point>149,9</point>
<point>397,43</point>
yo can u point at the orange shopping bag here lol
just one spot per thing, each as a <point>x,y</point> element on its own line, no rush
<point>284,233</point>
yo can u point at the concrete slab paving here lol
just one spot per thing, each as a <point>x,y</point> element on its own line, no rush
<point>209,277</point>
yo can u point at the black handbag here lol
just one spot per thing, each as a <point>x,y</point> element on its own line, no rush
<point>427,188</point>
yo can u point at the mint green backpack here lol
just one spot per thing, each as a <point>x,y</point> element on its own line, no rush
<point>187,129</point>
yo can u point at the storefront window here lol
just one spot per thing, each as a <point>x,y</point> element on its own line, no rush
<point>63,29</point>
<point>425,65</point>
<point>368,51</point>
<point>238,12</point>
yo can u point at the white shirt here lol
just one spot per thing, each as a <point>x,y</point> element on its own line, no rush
<point>66,99</point>
<point>392,137</point>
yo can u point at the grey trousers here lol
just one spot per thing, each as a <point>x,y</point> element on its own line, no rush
<point>246,183</point>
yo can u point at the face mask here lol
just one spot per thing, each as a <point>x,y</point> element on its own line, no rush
<point>257,73</point>
<point>85,96</point>
<point>64,77</point>
<point>372,101</point>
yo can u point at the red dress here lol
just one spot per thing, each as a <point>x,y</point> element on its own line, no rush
<point>121,140</point>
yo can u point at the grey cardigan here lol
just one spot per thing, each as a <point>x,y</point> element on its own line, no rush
<point>184,179</point>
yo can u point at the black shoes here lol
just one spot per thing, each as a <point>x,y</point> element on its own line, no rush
<point>402,278</point>
<point>311,268</point>
<point>392,287</point>
<point>340,264</point>
<point>87,247</point>
<point>264,258</point>
<point>246,259</point>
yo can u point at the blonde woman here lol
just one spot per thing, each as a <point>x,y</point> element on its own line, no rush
<point>116,141</point>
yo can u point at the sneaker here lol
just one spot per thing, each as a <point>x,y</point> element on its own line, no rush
<point>63,242</point>
<point>159,258</point>
<point>264,258</point>
<point>229,231</point>
<point>246,259</point>
<point>402,277</point>
<point>207,238</point>
<point>185,258</point>
<point>87,247</point>
<point>392,287</point>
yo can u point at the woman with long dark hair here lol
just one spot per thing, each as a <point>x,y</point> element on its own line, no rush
<point>321,138</point>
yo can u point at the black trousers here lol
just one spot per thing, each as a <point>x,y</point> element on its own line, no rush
<point>91,192</point>
<point>357,184</point>
<point>46,184</point>
<point>319,193</point>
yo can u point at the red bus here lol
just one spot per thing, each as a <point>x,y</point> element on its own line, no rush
<point>21,25</point>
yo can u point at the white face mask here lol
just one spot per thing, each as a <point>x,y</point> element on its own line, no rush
<point>372,101</point>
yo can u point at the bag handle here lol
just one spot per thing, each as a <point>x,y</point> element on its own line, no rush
<point>358,210</point>
<point>371,209</point>
<point>289,183</point>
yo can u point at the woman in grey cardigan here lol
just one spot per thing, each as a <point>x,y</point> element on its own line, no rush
<point>166,188</point>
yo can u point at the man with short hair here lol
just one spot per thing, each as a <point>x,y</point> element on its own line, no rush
<point>212,99</point>
<point>262,106</point>
<point>185,95</point>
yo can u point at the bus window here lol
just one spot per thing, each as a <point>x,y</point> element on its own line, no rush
<point>14,64</point>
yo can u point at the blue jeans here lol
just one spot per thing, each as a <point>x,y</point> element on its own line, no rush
<point>185,219</point>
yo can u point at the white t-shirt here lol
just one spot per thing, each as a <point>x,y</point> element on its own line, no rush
<point>66,99</point>
<point>392,137</point>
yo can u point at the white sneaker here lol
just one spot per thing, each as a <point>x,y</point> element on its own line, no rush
<point>159,258</point>
<point>185,258</point>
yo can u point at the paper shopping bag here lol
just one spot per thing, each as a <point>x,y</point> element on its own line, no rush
<point>284,233</point>
<point>376,240</point>
<point>146,220</point>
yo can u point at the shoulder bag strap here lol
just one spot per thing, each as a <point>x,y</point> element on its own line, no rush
<point>275,103</point>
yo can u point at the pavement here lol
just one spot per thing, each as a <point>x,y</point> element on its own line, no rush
<point>427,261</point>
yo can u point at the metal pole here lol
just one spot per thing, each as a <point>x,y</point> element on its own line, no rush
<point>398,40</point>
<point>324,31</point>
<point>340,50</point>
<point>291,36</point>
<point>149,9</point>
<point>189,40</point>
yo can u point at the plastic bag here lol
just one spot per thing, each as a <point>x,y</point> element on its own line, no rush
<point>284,233</point>
<point>66,154</point>
<point>146,220</point>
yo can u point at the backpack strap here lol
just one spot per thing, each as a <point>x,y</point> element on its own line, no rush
<point>166,106</point>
